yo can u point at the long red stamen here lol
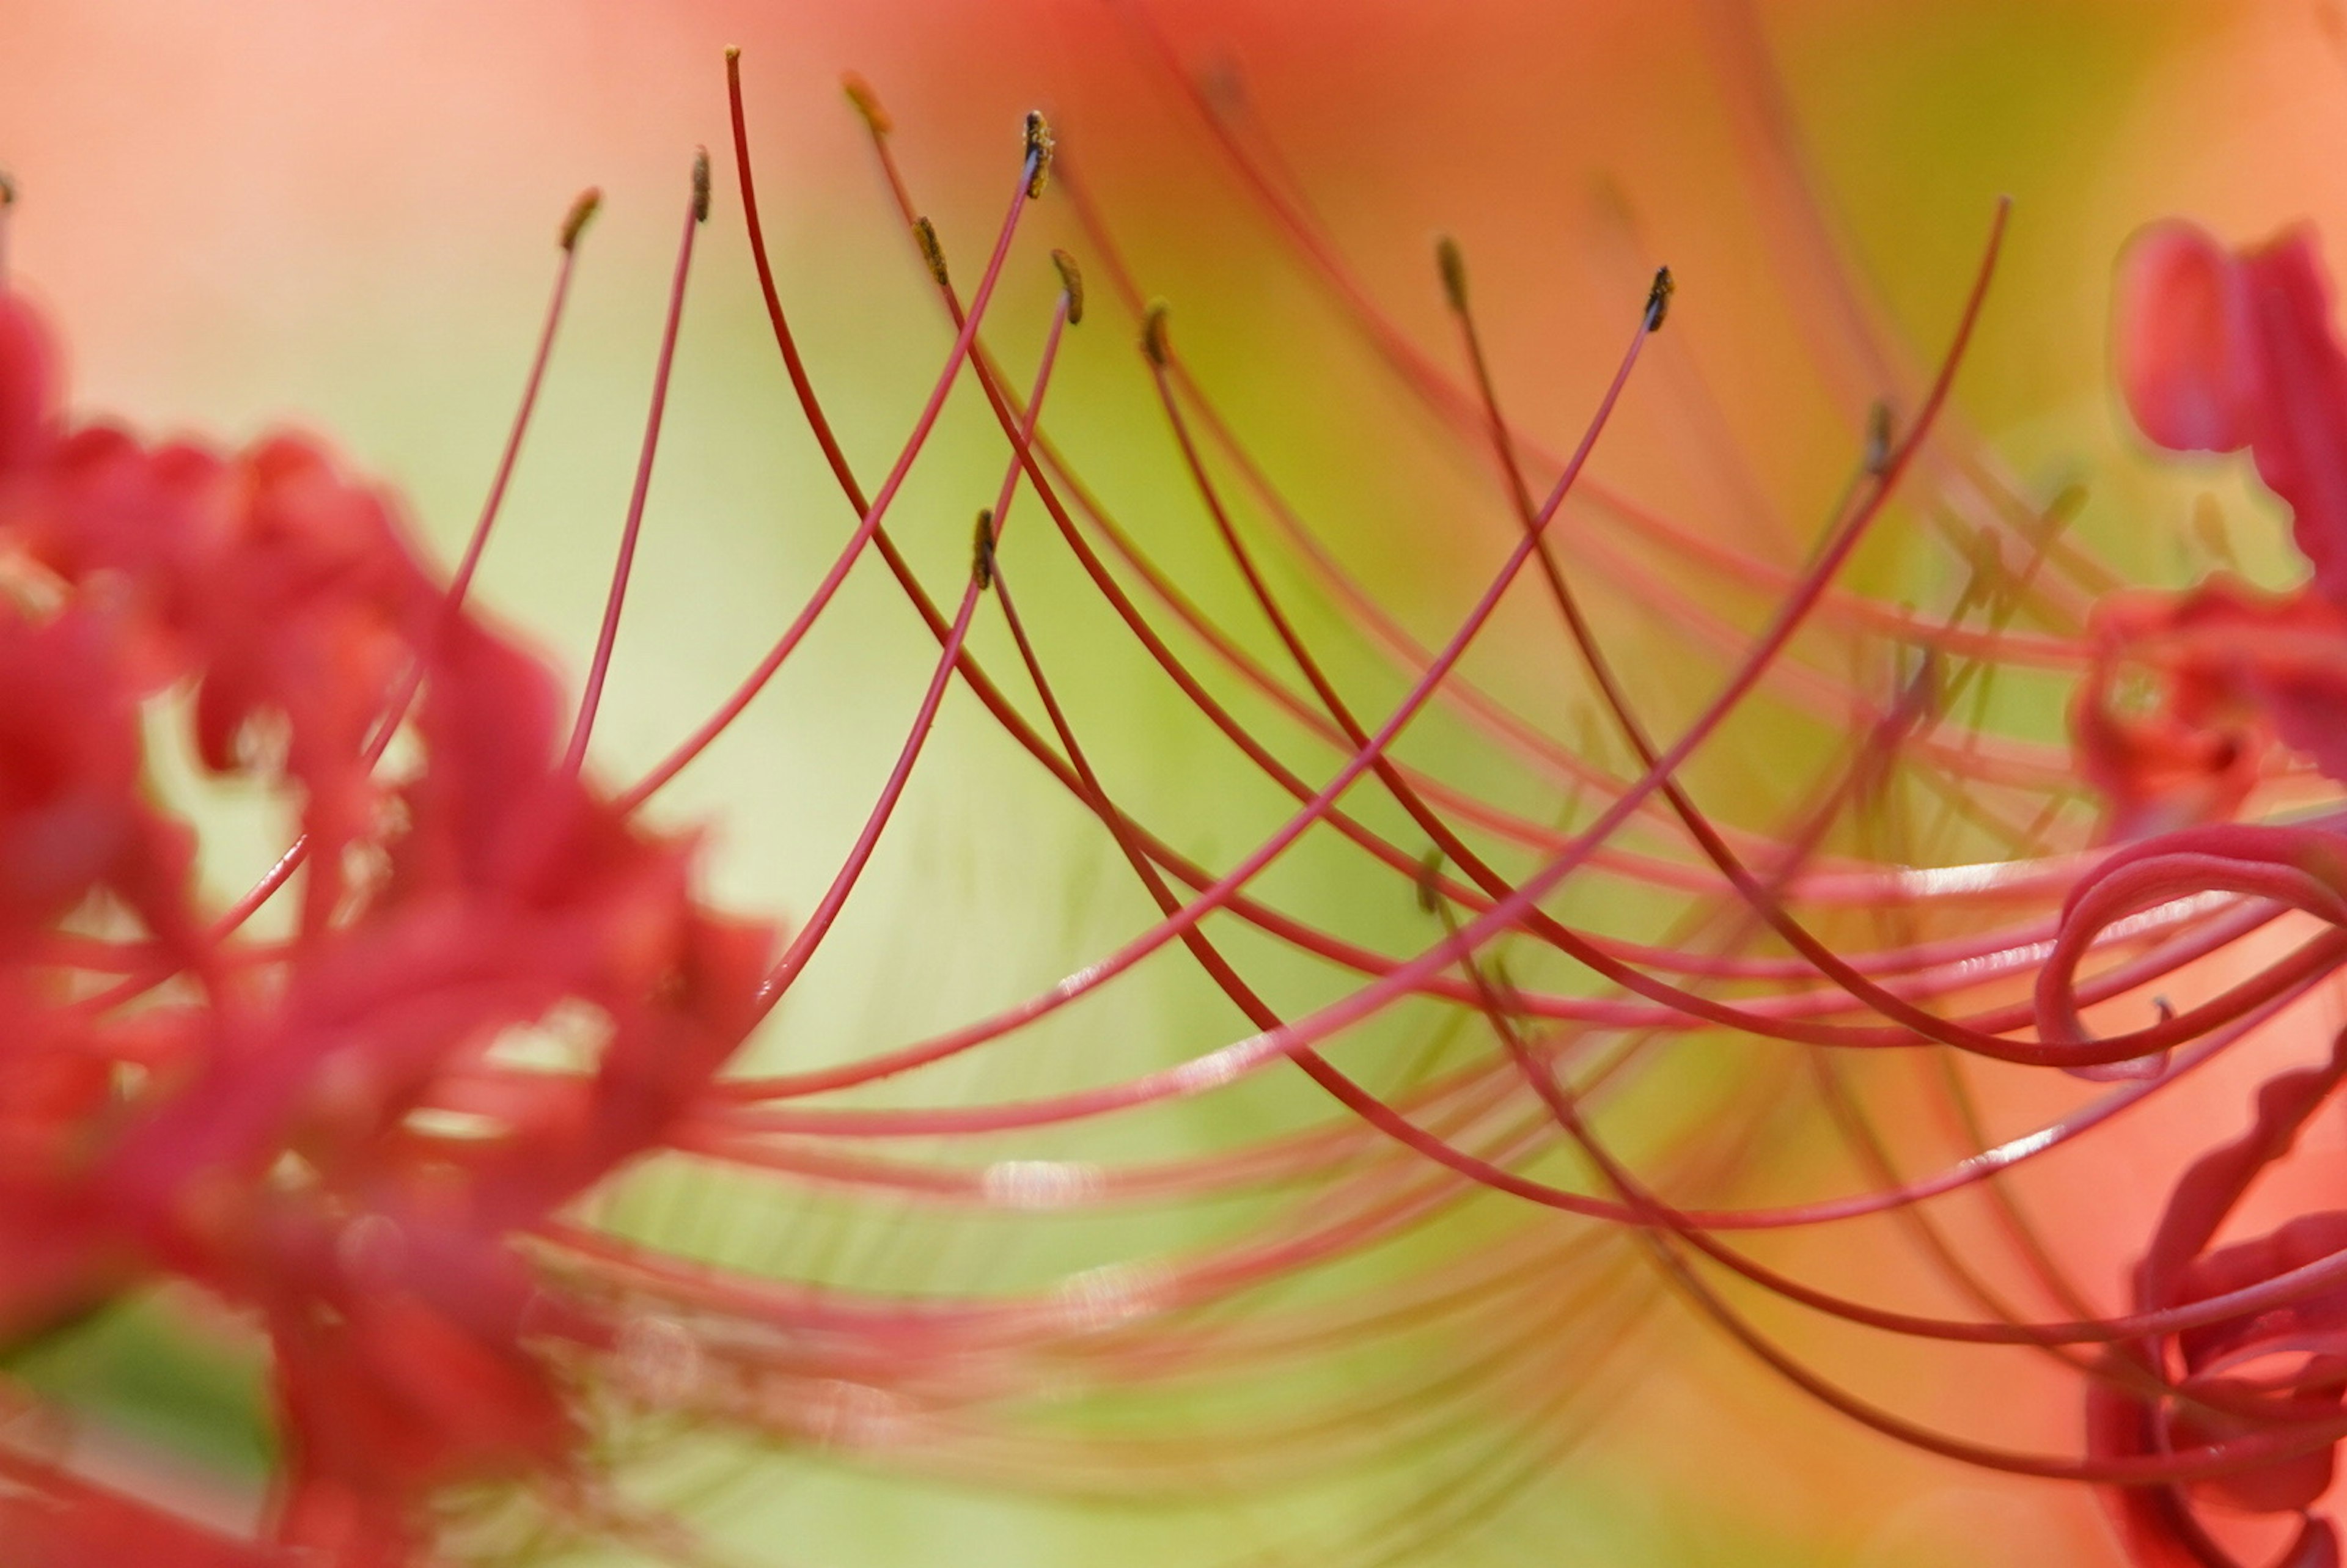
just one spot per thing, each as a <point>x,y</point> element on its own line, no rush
<point>872,512</point>
<point>810,935</point>
<point>574,756</point>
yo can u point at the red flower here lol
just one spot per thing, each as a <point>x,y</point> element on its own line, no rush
<point>2216,353</point>
<point>256,1130</point>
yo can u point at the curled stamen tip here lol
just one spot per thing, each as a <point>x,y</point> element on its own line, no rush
<point>1153,334</point>
<point>701,185</point>
<point>582,212</point>
<point>1040,147</point>
<point>981,562</point>
<point>867,104</point>
<point>1659,298</point>
<point>1071,282</point>
<point>1452,265</point>
<point>1430,882</point>
<point>932,252</point>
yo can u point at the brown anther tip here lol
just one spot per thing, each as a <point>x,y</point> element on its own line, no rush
<point>1223,85</point>
<point>1659,298</point>
<point>926,233</point>
<point>867,104</point>
<point>1881,431</point>
<point>8,189</point>
<point>1986,552</point>
<point>1429,883</point>
<point>1925,694</point>
<point>1040,147</point>
<point>1153,335</point>
<point>582,212</point>
<point>1071,282</point>
<point>701,185</point>
<point>981,562</point>
<point>1452,265</point>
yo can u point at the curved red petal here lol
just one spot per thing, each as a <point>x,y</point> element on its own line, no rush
<point>2180,337</point>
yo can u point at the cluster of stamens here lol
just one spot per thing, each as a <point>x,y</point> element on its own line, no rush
<point>1843,973</point>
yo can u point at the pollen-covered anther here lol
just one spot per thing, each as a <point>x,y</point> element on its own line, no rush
<point>582,212</point>
<point>1153,335</point>
<point>1072,283</point>
<point>1039,146</point>
<point>925,233</point>
<point>701,185</point>
<point>981,561</point>
<point>867,104</point>
<point>1659,298</point>
<point>1452,265</point>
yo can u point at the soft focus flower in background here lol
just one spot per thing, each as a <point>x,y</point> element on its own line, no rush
<point>885,1321</point>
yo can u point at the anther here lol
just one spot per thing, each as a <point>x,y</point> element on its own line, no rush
<point>1987,554</point>
<point>867,104</point>
<point>701,185</point>
<point>1039,151</point>
<point>1430,882</point>
<point>1153,335</point>
<point>1071,279</point>
<point>1882,431</point>
<point>1222,86</point>
<point>1453,268</point>
<point>8,189</point>
<point>1922,695</point>
<point>582,212</point>
<point>926,233</point>
<point>981,563</point>
<point>1659,298</point>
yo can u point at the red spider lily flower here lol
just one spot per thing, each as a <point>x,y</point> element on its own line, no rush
<point>2217,353</point>
<point>1540,1051</point>
<point>254,1132</point>
<point>2220,352</point>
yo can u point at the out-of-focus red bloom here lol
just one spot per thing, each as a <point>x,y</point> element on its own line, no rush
<point>254,1128</point>
<point>2217,352</point>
